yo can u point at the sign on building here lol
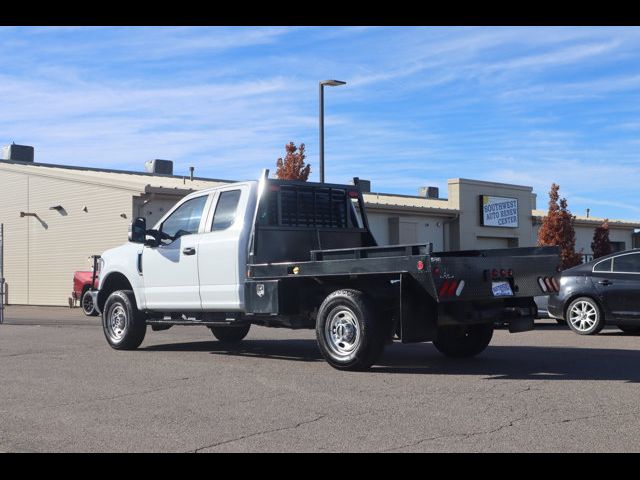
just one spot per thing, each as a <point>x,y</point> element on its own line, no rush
<point>498,211</point>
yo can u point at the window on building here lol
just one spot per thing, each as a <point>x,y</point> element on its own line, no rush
<point>618,246</point>
<point>627,263</point>
<point>225,212</point>
<point>186,219</point>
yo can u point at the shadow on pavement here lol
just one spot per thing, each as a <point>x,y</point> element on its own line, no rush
<point>502,362</point>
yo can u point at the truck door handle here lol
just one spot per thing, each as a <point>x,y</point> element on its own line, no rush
<point>605,282</point>
<point>189,251</point>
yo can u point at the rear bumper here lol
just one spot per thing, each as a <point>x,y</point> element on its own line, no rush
<point>555,307</point>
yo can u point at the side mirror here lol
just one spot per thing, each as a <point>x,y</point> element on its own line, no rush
<point>137,230</point>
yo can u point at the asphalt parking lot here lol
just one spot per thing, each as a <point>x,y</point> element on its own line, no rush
<point>63,389</point>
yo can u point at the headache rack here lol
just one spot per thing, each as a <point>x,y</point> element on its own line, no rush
<point>293,218</point>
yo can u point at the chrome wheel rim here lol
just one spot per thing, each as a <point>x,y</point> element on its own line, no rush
<point>87,303</point>
<point>583,316</point>
<point>342,332</point>
<point>117,323</point>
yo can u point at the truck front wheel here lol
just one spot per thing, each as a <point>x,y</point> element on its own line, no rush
<point>349,332</point>
<point>230,334</point>
<point>461,341</point>
<point>123,324</point>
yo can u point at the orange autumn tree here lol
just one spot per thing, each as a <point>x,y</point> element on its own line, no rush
<point>600,245</point>
<point>557,229</point>
<point>292,167</point>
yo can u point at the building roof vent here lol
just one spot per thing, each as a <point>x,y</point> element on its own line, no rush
<point>17,153</point>
<point>157,166</point>
<point>429,192</point>
<point>365,185</point>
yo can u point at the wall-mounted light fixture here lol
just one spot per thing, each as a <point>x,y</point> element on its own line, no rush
<point>28,214</point>
<point>123,215</point>
<point>85,209</point>
<point>57,208</point>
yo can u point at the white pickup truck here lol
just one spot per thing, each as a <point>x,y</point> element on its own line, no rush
<point>301,255</point>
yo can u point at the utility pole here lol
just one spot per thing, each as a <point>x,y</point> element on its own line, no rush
<point>330,83</point>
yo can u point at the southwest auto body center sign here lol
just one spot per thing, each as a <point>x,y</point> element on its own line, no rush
<point>498,211</point>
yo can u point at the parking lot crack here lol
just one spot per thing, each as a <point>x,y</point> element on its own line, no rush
<point>454,435</point>
<point>264,432</point>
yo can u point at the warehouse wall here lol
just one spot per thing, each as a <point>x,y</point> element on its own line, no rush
<point>56,243</point>
<point>14,198</point>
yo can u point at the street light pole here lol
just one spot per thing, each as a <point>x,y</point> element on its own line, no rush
<point>331,83</point>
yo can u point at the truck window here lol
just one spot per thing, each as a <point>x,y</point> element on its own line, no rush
<point>225,212</point>
<point>185,219</point>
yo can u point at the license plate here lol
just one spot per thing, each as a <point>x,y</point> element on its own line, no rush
<point>501,289</point>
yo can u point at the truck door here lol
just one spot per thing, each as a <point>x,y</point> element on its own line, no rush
<point>222,252</point>
<point>170,271</point>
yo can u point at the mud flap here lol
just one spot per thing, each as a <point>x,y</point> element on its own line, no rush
<point>417,312</point>
<point>521,324</point>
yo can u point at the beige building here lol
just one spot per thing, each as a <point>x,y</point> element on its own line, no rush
<point>55,217</point>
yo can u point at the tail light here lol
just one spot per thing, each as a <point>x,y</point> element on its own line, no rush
<point>495,273</point>
<point>443,288</point>
<point>548,284</point>
<point>542,285</point>
<point>452,288</point>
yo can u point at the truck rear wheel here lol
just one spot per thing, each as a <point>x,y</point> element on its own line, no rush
<point>349,332</point>
<point>123,324</point>
<point>230,334</point>
<point>461,341</point>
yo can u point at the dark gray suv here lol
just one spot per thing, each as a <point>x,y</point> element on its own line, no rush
<point>602,292</point>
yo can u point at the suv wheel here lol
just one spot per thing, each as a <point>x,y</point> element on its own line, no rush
<point>584,316</point>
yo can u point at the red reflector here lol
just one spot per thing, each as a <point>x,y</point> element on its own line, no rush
<point>494,273</point>
<point>503,273</point>
<point>443,288</point>
<point>547,282</point>
<point>420,265</point>
<point>436,271</point>
<point>452,288</point>
<point>353,194</point>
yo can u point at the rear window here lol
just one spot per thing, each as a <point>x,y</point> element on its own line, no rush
<point>603,266</point>
<point>225,212</point>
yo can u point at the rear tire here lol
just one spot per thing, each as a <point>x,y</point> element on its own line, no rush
<point>123,324</point>
<point>230,334</point>
<point>584,316</point>
<point>86,301</point>
<point>349,331</point>
<point>463,341</point>
<point>633,329</point>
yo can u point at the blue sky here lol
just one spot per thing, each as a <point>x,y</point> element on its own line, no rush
<point>523,105</point>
